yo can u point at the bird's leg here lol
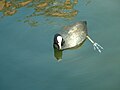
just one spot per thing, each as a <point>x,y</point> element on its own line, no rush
<point>95,45</point>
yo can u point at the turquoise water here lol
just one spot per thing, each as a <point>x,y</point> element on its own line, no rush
<point>27,60</point>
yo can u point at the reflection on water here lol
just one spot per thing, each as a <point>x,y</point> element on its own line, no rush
<point>53,8</point>
<point>58,54</point>
<point>26,53</point>
<point>49,8</point>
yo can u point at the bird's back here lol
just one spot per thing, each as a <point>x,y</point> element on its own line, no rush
<point>74,35</point>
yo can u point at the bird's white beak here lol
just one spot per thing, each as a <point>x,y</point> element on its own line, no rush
<point>59,39</point>
<point>59,43</point>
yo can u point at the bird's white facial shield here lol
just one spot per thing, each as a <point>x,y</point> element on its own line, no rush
<point>59,39</point>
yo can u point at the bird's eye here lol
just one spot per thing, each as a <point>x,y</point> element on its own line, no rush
<point>63,41</point>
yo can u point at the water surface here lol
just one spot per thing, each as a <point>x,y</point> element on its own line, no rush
<point>26,53</point>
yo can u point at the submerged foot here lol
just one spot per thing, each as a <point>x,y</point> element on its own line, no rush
<point>95,45</point>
